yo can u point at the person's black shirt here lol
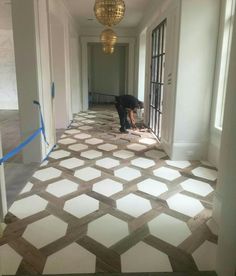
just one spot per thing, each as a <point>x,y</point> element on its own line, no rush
<point>128,101</point>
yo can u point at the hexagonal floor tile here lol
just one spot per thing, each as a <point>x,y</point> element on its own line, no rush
<point>107,163</point>
<point>184,204</point>
<point>133,205</point>
<point>91,154</point>
<point>167,173</point>
<point>152,187</point>
<point>62,187</point>
<point>78,260</point>
<point>178,164</point>
<point>90,116</point>
<point>117,230</point>
<point>169,229</point>
<point>72,131</point>
<point>143,163</point>
<point>67,141</point>
<point>144,258</point>
<point>205,256</point>
<point>136,147</point>
<point>86,127</point>
<point>155,154</point>
<point>78,147</point>
<point>47,174</point>
<point>205,173</point>
<point>197,187</point>
<point>71,163</point>
<point>147,141</point>
<point>87,173</point>
<point>107,147</point>
<point>127,173</point>
<point>81,206</point>
<point>28,206</point>
<point>123,154</point>
<point>58,154</point>
<point>107,187</point>
<point>82,136</point>
<point>88,121</point>
<point>10,260</point>
<point>27,188</point>
<point>94,141</point>
<point>45,231</point>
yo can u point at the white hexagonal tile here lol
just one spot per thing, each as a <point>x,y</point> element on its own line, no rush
<point>144,258</point>
<point>28,206</point>
<point>72,131</point>
<point>82,136</point>
<point>58,154</point>
<point>197,187</point>
<point>169,229</point>
<point>62,187</point>
<point>88,121</point>
<point>136,147</point>
<point>184,204</point>
<point>147,141</point>
<point>107,147</point>
<point>86,127</point>
<point>91,154</point>
<point>81,206</point>
<point>123,154</point>
<point>74,124</point>
<point>90,116</point>
<point>71,163</point>
<point>47,174</point>
<point>78,260</point>
<point>127,173</point>
<point>107,187</point>
<point>107,163</point>
<point>133,205</point>
<point>27,188</point>
<point>205,256</point>
<point>10,260</point>
<point>178,164</point>
<point>67,141</point>
<point>94,141</point>
<point>143,163</point>
<point>167,173</point>
<point>117,230</point>
<point>45,231</point>
<point>78,147</point>
<point>156,154</point>
<point>87,173</point>
<point>205,173</point>
<point>152,187</point>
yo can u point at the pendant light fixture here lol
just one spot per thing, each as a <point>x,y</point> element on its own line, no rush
<point>108,38</point>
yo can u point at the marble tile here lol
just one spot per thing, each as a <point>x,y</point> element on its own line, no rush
<point>27,188</point>
<point>94,141</point>
<point>74,124</point>
<point>91,154</point>
<point>155,154</point>
<point>86,128</point>
<point>178,164</point>
<point>28,206</point>
<point>47,174</point>
<point>127,173</point>
<point>90,116</point>
<point>72,131</point>
<point>77,260</point>
<point>205,256</point>
<point>169,229</point>
<point>143,163</point>
<point>82,136</point>
<point>144,258</point>
<point>81,206</point>
<point>59,154</point>
<point>123,154</point>
<point>67,141</point>
<point>78,147</point>
<point>62,187</point>
<point>152,187</point>
<point>45,231</point>
<point>147,141</point>
<point>205,173</point>
<point>133,205</point>
<point>107,187</point>
<point>10,260</point>
<point>136,147</point>
<point>71,163</point>
<point>107,147</point>
<point>108,236</point>
<point>107,163</point>
<point>197,187</point>
<point>87,173</point>
<point>167,173</point>
<point>185,205</point>
<point>88,122</point>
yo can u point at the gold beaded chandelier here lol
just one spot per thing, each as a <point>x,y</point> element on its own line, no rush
<point>108,38</point>
<point>109,12</point>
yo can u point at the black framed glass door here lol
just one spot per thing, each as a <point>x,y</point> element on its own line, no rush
<point>157,78</point>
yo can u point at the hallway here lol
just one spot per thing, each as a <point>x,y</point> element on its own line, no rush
<point>111,202</point>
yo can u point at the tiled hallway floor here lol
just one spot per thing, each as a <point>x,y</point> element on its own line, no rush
<point>111,202</point>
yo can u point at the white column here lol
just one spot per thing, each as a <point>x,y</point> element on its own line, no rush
<point>226,257</point>
<point>3,196</point>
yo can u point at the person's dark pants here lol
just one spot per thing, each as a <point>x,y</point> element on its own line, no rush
<point>124,123</point>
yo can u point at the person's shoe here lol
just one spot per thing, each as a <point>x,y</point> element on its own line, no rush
<point>122,130</point>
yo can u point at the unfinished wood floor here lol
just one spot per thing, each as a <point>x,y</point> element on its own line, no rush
<point>111,202</point>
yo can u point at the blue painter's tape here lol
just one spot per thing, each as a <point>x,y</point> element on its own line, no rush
<point>46,158</point>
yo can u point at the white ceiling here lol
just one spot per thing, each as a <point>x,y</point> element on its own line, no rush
<point>82,10</point>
